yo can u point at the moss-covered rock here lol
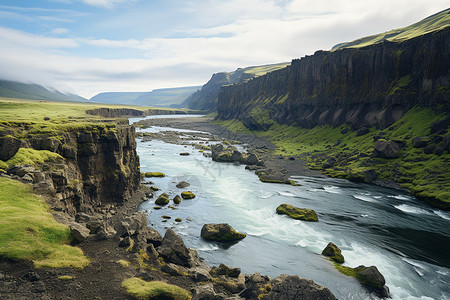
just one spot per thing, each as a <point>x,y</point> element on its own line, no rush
<point>333,251</point>
<point>293,212</point>
<point>155,174</point>
<point>187,195</point>
<point>221,233</point>
<point>178,220</point>
<point>141,289</point>
<point>163,199</point>
<point>177,199</point>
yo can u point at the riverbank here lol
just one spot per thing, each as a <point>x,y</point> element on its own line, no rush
<point>284,166</point>
<point>87,173</point>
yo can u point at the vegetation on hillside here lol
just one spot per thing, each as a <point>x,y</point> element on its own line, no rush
<point>343,153</point>
<point>28,231</point>
<point>14,89</point>
<point>432,23</point>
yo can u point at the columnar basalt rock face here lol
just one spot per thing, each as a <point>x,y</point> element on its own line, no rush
<point>100,167</point>
<point>370,86</point>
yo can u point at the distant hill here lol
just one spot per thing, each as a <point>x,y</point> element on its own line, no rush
<point>116,97</point>
<point>169,97</point>
<point>432,23</point>
<point>12,89</point>
<point>206,98</point>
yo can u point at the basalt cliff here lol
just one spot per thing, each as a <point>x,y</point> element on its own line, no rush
<point>98,166</point>
<point>364,87</point>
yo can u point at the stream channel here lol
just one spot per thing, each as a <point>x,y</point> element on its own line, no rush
<point>406,239</point>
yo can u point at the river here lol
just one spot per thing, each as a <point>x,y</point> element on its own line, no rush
<point>406,239</point>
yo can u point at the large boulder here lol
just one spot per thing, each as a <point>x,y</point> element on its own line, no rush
<point>333,252</point>
<point>252,159</point>
<point>221,154</point>
<point>221,233</point>
<point>373,280</point>
<point>420,141</point>
<point>163,199</point>
<point>173,250</point>
<point>182,184</point>
<point>9,146</point>
<point>386,149</point>
<point>293,287</point>
<point>293,212</point>
<point>187,195</point>
<point>79,232</point>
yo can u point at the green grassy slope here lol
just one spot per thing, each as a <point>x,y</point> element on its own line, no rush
<point>29,231</point>
<point>426,176</point>
<point>13,89</point>
<point>432,23</point>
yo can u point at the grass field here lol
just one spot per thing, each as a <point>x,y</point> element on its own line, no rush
<point>28,231</point>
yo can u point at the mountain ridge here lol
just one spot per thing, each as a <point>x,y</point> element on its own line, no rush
<point>15,89</point>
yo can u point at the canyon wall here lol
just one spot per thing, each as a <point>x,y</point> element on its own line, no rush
<point>370,86</point>
<point>99,167</point>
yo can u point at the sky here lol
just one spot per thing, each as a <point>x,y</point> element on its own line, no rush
<point>92,46</point>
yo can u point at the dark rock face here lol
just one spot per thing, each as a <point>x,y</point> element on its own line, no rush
<point>115,112</point>
<point>370,86</point>
<point>420,142</point>
<point>373,279</point>
<point>386,149</point>
<point>333,251</point>
<point>220,232</point>
<point>173,250</point>
<point>293,287</point>
<point>100,167</point>
<point>8,147</point>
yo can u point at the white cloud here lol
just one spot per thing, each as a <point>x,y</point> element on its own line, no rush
<point>222,36</point>
<point>105,3</point>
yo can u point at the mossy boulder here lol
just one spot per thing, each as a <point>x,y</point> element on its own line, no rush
<point>155,174</point>
<point>163,199</point>
<point>333,252</point>
<point>177,199</point>
<point>373,279</point>
<point>141,289</point>
<point>293,212</point>
<point>187,195</point>
<point>221,233</point>
<point>386,149</point>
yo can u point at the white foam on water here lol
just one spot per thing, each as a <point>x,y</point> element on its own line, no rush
<point>266,196</point>
<point>301,243</point>
<point>364,198</point>
<point>442,214</point>
<point>364,215</point>
<point>412,209</point>
<point>208,247</point>
<point>287,194</point>
<point>400,197</point>
<point>332,189</point>
<point>445,273</point>
<point>414,263</point>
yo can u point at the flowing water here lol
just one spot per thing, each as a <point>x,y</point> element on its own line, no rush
<point>407,240</point>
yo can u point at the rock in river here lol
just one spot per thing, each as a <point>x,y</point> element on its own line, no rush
<point>297,213</point>
<point>221,233</point>
<point>333,251</point>
<point>163,199</point>
<point>187,195</point>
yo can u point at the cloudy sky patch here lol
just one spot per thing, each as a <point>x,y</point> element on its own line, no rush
<point>92,46</point>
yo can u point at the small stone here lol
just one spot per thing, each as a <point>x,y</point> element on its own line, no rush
<point>187,195</point>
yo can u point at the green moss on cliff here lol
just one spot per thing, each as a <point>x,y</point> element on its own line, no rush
<point>339,152</point>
